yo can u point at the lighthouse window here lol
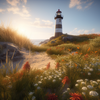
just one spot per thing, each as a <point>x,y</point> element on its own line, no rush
<point>59,20</point>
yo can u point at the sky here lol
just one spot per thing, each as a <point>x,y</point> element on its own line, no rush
<point>35,18</point>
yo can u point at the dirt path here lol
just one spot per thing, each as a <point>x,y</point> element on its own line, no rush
<point>37,60</point>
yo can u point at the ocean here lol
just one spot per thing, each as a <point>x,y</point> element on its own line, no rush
<point>37,41</point>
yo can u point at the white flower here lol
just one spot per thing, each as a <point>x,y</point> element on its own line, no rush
<point>60,78</point>
<point>84,88</point>
<point>38,88</point>
<point>79,80</point>
<point>41,79</point>
<point>88,67</point>
<point>49,78</point>
<point>91,69</point>
<point>33,98</point>
<point>45,78</point>
<point>55,77</point>
<point>83,93</point>
<point>98,80</point>
<point>93,93</point>
<point>89,73</point>
<point>94,82</point>
<point>59,74</point>
<point>90,87</point>
<point>65,92</point>
<point>86,79</point>
<point>85,68</point>
<point>39,82</point>
<point>83,83</point>
<point>41,76</point>
<point>31,93</point>
<point>76,85</point>
<point>54,80</point>
<point>36,85</point>
<point>68,89</point>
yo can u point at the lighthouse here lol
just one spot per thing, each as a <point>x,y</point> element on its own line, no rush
<point>58,23</point>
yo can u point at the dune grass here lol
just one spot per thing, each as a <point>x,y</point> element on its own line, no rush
<point>10,35</point>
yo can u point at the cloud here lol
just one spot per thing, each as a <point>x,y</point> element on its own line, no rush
<point>13,2</point>
<point>42,23</point>
<point>1,10</point>
<point>25,1</point>
<point>89,4</point>
<point>78,32</point>
<point>16,10</point>
<point>76,3</point>
<point>79,3</point>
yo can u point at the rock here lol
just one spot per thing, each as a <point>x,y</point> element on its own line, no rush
<point>52,41</point>
<point>11,51</point>
<point>68,38</point>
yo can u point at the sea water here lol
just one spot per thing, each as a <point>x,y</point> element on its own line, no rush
<point>37,41</point>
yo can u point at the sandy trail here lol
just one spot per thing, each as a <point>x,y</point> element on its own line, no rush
<point>37,60</point>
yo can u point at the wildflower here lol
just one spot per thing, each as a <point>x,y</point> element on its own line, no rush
<point>77,47</point>
<point>51,96</point>
<point>86,56</point>
<point>88,49</point>
<point>66,80</point>
<point>80,53</point>
<point>76,52</point>
<point>31,93</point>
<point>36,85</point>
<point>65,92</point>
<point>57,66</point>
<point>90,87</point>
<point>75,65</point>
<point>39,82</point>
<point>33,98</point>
<point>48,66</point>
<point>83,83</point>
<point>98,80</point>
<point>89,73</point>
<point>26,66</point>
<point>94,82</point>
<point>83,93</point>
<point>68,89</point>
<point>79,80</point>
<point>60,78</point>
<point>93,93</point>
<point>62,59</point>
<point>86,79</point>
<point>76,85</point>
<point>45,78</point>
<point>84,88</point>
<point>95,51</point>
<point>72,53</point>
<point>54,80</point>
<point>76,96</point>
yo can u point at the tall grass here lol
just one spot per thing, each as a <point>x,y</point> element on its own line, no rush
<point>10,35</point>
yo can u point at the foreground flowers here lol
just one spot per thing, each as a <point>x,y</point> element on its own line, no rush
<point>51,96</point>
<point>66,80</point>
<point>48,66</point>
<point>76,96</point>
<point>26,66</point>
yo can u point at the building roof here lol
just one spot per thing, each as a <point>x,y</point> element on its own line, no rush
<point>58,11</point>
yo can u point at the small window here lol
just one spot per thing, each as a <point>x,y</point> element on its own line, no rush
<point>59,20</point>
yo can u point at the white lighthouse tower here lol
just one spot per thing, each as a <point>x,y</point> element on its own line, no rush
<point>58,23</point>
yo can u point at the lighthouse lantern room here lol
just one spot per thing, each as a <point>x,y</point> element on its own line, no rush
<point>58,23</point>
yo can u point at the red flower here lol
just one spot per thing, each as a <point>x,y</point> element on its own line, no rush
<point>48,66</point>
<point>57,66</point>
<point>26,66</point>
<point>51,96</point>
<point>76,96</point>
<point>66,80</point>
<point>86,56</point>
